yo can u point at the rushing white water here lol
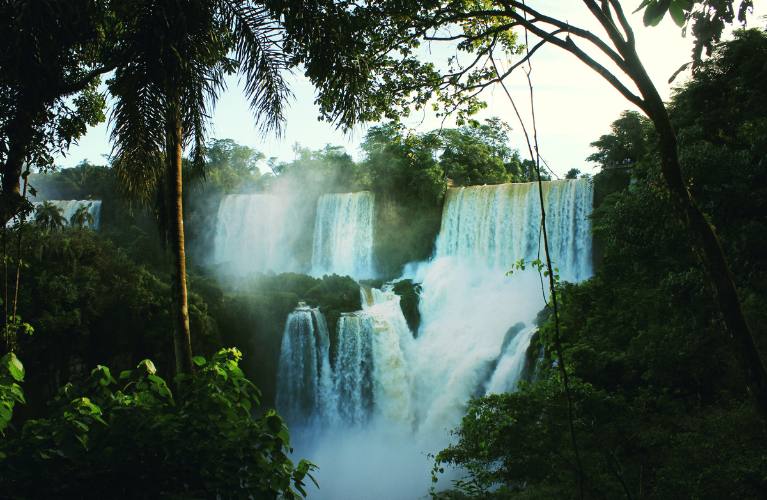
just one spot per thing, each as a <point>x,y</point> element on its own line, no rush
<point>510,366</point>
<point>304,377</point>
<point>343,235</point>
<point>353,368</point>
<point>399,395</point>
<point>498,225</point>
<point>252,232</point>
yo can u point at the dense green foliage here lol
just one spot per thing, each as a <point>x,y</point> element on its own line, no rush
<point>50,71</point>
<point>403,165</point>
<point>478,154</point>
<point>84,181</point>
<point>130,438</point>
<point>231,167</point>
<point>11,393</point>
<point>624,147</point>
<point>660,410</point>
<point>91,305</point>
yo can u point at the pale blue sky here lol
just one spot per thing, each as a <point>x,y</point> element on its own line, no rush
<point>574,106</point>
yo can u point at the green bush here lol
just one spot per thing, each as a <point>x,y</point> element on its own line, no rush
<point>131,439</point>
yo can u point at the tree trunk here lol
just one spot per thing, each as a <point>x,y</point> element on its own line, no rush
<point>180,312</point>
<point>716,270</point>
<point>19,137</point>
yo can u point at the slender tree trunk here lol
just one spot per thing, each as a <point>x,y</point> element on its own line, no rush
<point>180,312</point>
<point>716,270</point>
<point>5,281</point>
<point>18,142</point>
<point>18,256</point>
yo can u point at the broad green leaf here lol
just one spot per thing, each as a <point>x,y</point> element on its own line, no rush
<point>655,11</point>
<point>5,412</point>
<point>150,367</point>
<point>274,423</point>
<point>198,360</point>
<point>677,13</point>
<point>15,367</point>
<point>84,440</point>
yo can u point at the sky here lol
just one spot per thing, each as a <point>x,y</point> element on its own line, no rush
<point>573,105</point>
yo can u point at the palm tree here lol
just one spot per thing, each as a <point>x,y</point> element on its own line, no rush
<point>49,215</point>
<point>81,217</point>
<point>175,57</point>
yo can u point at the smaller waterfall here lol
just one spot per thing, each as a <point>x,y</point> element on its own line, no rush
<point>251,231</point>
<point>304,385</point>
<point>354,368</point>
<point>343,235</point>
<point>371,372</point>
<point>68,208</point>
<point>369,378</point>
<point>511,365</point>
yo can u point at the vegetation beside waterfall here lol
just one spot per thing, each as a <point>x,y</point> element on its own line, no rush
<point>656,391</point>
<point>127,436</point>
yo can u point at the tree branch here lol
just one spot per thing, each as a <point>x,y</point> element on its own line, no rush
<point>65,90</point>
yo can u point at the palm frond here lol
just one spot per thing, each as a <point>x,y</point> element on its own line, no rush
<point>263,64</point>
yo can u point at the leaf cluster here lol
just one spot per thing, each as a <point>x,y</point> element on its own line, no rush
<point>130,437</point>
<point>11,372</point>
<point>50,76</point>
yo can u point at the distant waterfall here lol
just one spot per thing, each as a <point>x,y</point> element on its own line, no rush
<point>304,383</point>
<point>343,235</point>
<point>251,232</point>
<point>69,207</point>
<point>498,225</point>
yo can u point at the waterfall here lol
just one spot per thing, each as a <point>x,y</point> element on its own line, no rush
<point>252,232</point>
<point>512,362</point>
<point>68,209</point>
<point>343,235</point>
<point>391,339</point>
<point>498,225</point>
<point>369,379</point>
<point>303,373</point>
<point>396,395</point>
<point>353,368</point>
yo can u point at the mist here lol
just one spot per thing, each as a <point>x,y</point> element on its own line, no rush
<point>387,399</point>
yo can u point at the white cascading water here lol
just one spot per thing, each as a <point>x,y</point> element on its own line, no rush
<point>68,209</point>
<point>304,378</point>
<point>343,235</point>
<point>498,225</point>
<point>418,387</point>
<point>512,362</point>
<point>251,233</point>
